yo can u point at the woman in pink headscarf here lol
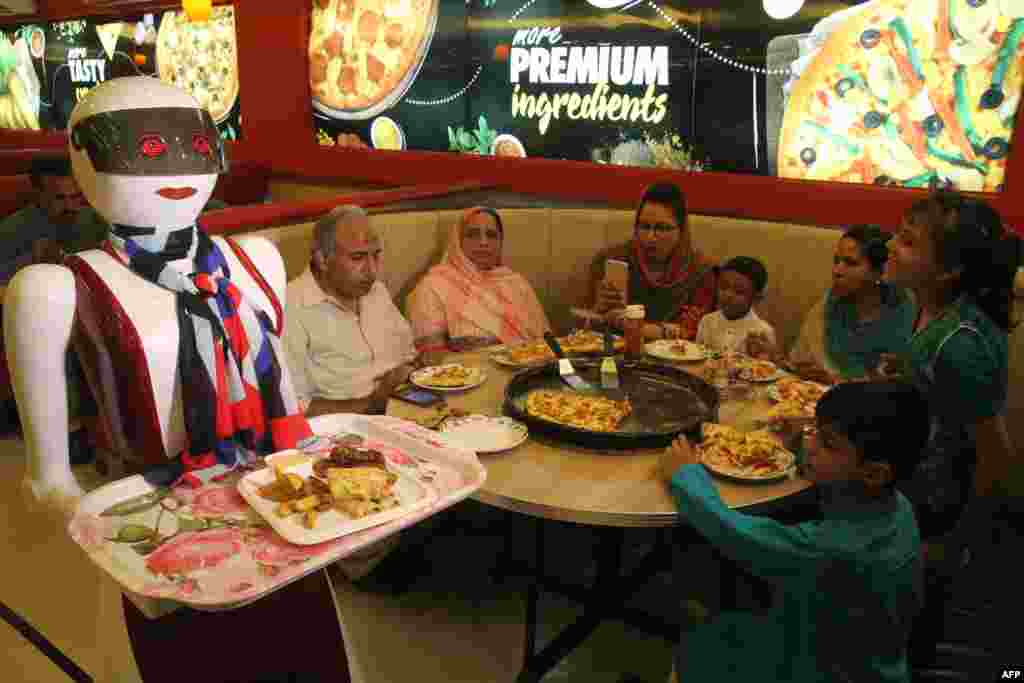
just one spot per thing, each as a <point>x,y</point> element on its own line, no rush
<point>470,300</point>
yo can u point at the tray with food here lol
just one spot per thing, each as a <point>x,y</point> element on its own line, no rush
<point>745,456</point>
<point>209,548</point>
<point>318,498</point>
<point>448,377</point>
<point>677,350</point>
<point>580,343</point>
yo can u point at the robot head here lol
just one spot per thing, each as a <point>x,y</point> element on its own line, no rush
<point>144,152</point>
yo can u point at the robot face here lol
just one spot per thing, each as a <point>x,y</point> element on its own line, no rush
<point>160,141</point>
<point>144,153</point>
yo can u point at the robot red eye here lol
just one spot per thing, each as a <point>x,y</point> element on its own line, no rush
<point>152,146</point>
<point>201,144</point>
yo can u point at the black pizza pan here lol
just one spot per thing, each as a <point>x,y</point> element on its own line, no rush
<point>666,402</point>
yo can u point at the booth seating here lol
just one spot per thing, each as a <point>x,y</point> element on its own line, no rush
<point>553,249</point>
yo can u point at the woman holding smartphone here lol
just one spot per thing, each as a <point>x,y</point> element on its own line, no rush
<point>674,282</point>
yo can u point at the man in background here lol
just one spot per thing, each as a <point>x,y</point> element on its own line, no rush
<point>58,222</point>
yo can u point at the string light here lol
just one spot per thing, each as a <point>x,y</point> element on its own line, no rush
<point>781,9</point>
<point>711,53</point>
<point>449,98</point>
<point>703,47</point>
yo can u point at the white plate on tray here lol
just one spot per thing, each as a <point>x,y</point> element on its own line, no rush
<point>667,349</point>
<point>412,496</point>
<point>422,378</point>
<point>485,434</point>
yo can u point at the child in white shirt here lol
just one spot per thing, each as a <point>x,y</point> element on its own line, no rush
<point>735,326</point>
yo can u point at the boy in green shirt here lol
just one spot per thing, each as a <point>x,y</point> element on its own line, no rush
<point>848,586</point>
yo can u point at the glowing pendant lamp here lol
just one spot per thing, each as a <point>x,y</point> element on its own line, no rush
<point>782,9</point>
<point>197,10</point>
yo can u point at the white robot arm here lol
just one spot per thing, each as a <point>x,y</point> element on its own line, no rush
<point>38,318</point>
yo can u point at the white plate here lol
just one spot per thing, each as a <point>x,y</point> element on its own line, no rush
<point>421,377</point>
<point>412,496</point>
<point>774,393</point>
<point>485,434</point>
<point>745,365</point>
<point>774,476</point>
<point>664,349</point>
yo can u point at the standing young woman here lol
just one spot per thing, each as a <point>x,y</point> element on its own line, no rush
<point>954,254</point>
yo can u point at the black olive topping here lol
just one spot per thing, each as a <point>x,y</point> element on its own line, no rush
<point>808,155</point>
<point>883,180</point>
<point>976,3</point>
<point>870,38</point>
<point>933,126</point>
<point>992,98</point>
<point>873,120</point>
<point>996,148</point>
<point>844,86</point>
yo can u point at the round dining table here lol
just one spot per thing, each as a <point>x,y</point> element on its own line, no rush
<point>559,481</point>
<point>607,490</point>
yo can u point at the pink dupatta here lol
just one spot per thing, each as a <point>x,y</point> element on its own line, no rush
<point>498,301</point>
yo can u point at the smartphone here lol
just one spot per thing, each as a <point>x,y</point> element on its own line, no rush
<point>616,272</point>
<point>417,396</point>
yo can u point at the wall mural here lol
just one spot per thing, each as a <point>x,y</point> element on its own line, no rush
<point>46,69</point>
<point>916,93</point>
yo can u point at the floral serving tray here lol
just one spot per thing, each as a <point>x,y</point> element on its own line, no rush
<point>207,548</point>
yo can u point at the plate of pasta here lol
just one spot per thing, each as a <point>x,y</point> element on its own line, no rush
<point>745,456</point>
<point>796,397</point>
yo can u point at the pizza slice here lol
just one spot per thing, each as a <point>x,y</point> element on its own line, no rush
<point>109,34</point>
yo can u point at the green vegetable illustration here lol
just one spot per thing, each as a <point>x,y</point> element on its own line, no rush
<point>133,533</point>
<point>137,504</point>
<point>479,141</point>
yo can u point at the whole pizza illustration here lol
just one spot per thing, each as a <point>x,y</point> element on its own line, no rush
<point>918,93</point>
<point>364,54</point>
<point>201,58</point>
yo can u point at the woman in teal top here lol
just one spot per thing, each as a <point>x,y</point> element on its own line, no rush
<point>848,586</point>
<point>860,319</point>
<point>954,253</point>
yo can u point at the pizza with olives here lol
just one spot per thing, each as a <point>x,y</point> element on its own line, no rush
<point>361,50</point>
<point>917,93</point>
<point>201,57</point>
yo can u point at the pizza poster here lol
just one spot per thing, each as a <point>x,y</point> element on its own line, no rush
<point>51,67</point>
<point>913,93</point>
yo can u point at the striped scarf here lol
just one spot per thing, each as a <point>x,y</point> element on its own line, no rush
<point>237,397</point>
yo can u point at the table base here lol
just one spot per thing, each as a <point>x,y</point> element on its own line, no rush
<point>291,635</point>
<point>604,600</point>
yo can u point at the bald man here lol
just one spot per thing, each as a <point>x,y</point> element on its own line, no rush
<point>348,345</point>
